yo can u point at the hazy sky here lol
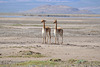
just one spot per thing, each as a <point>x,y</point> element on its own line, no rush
<point>22,5</point>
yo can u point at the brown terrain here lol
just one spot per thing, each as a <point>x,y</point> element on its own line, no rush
<point>81,39</point>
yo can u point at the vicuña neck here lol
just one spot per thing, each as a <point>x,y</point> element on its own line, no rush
<point>44,25</point>
<point>56,26</point>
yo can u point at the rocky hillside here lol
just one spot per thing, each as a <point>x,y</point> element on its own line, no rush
<point>57,9</point>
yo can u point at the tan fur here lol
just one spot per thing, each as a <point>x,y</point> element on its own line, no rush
<point>58,31</point>
<point>59,28</point>
<point>46,31</point>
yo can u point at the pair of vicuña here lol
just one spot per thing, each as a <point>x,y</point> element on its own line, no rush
<point>46,32</point>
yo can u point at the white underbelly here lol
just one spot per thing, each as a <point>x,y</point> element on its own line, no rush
<point>43,32</point>
<point>54,32</point>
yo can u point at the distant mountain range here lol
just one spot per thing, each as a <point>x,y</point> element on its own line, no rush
<point>57,9</point>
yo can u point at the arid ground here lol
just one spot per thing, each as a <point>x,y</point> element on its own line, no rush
<point>20,35</point>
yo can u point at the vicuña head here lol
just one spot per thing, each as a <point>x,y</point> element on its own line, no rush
<point>43,21</point>
<point>55,21</point>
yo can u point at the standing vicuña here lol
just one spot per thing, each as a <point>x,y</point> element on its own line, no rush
<point>46,32</point>
<point>58,32</point>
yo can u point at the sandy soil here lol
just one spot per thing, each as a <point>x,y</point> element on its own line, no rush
<point>81,38</point>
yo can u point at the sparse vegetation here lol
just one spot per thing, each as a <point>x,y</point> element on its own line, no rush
<point>37,25</point>
<point>32,63</point>
<point>38,63</point>
<point>31,54</point>
<point>27,25</point>
<point>72,61</point>
<point>48,15</point>
<point>75,61</point>
<point>55,60</point>
<point>28,56</point>
<point>74,28</point>
<point>25,54</point>
<point>69,63</point>
<point>17,25</point>
<point>0,56</point>
<point>25,42</point>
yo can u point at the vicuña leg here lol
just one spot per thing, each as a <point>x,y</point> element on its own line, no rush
<point>50,36</point>
<point>58,39</point>
<point>55,40</point>
<point>45,39</point>
<point>62,40</point>
<point>50,39</point>
<point>42,39</point>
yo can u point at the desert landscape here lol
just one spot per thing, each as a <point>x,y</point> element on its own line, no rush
<point>21,39</point>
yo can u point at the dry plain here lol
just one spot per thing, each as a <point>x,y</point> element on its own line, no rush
<point>81,39</point>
